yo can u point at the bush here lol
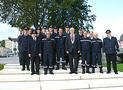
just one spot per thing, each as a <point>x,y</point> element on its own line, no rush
<point>1,66</point>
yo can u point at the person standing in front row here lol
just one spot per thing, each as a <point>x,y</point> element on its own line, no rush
<point>24,50</point>
<point>34,52</point>
<point>48,45</point>
<point>110,49</point>
<point>85,48</point>
<point>96,53</point>
<point>60,49</point>
<point>72,49</point>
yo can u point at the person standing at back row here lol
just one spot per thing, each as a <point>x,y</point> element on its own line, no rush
<point>110,48</point>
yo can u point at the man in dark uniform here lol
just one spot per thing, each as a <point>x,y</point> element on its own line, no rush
<point>85,45</point>
<point>66,33</point>
<point>60,48</point>
<point>55,31</point>
<point>34,51</point>
<point>52,35</point>
<point>19,47</point>
<point>96,53</point>
<point>80,33</point>
<point>24,49</point>
<point>43,32</point>
<point>48,44</point>
<point>72,49</point>
<point>110,48</point>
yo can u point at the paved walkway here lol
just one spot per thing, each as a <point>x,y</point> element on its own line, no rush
<point>12,78</point>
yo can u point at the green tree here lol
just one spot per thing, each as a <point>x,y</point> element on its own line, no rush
<point>21,13</point>
<point>3,43</point>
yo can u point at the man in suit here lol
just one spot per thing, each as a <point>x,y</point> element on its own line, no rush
<point>34,52</point>
<point>110,48</point>
<point>72,49</point>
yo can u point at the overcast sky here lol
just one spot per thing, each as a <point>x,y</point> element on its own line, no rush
<point>109,16</point>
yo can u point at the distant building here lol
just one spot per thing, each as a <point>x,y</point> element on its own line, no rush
<point>5,51</point>
<point>12,44</point>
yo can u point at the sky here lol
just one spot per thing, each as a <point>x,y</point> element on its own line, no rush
<point>109,15</point>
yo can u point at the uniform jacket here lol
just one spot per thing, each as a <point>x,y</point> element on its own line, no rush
<point>60,41</point>
<point>34,46</point>
<point>96,45</point>
<point>110,46</point>
<point>48,45</point>
<point>85,44</point>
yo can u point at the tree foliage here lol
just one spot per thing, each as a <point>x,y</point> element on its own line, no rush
<point>21,13</point>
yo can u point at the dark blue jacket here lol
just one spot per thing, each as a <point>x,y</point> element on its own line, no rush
<point>19,41</point>
<point>48,45</point>
<point>80,36</point>
<point>60,41</point>
<point>24,43</point>
<point>96,45</point>
<point>110,46</point>
<point>34,46</point>
<point>66,34</point>
<point>85,44</point>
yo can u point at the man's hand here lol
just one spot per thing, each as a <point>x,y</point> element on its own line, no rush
<point>67,52</point>
<point>39,54</point>
<point>79,51</point>
<point>29,55</point>
<point>118,52</point>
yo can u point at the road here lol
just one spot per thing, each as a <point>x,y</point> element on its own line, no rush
<point>9,60</point>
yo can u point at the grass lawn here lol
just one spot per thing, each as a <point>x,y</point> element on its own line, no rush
<point>119,67</point>
<point>1,66</point>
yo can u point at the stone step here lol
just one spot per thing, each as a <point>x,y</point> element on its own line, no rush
<point>20,86</point>
<point>80,84</point>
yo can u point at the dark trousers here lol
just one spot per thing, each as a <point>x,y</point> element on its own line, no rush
<point>96,57</point>
<point>67,58</point>
<point>109,58</point>
<point>61,53</point>
<point>85,59</point>
<point>25,59</point>
<point>20,57</point>
<point>48,61</point>
<point>35,64</point>
<point>91,57</point>
<point>73,61</point>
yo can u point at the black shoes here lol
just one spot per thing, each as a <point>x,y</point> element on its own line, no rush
<point>57,68</point>
<point>116,72</point>
<point>32,73</point>
<point>37,73</point>
<point>101,71</point>
<point>64,68</point>
<point>45,73</point>
<point>93,70</point>
<point>51,72</point>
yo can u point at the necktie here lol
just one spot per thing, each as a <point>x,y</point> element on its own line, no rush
<point>72,37</point>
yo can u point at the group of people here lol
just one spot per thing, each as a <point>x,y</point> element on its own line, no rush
<point>54,47</point>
